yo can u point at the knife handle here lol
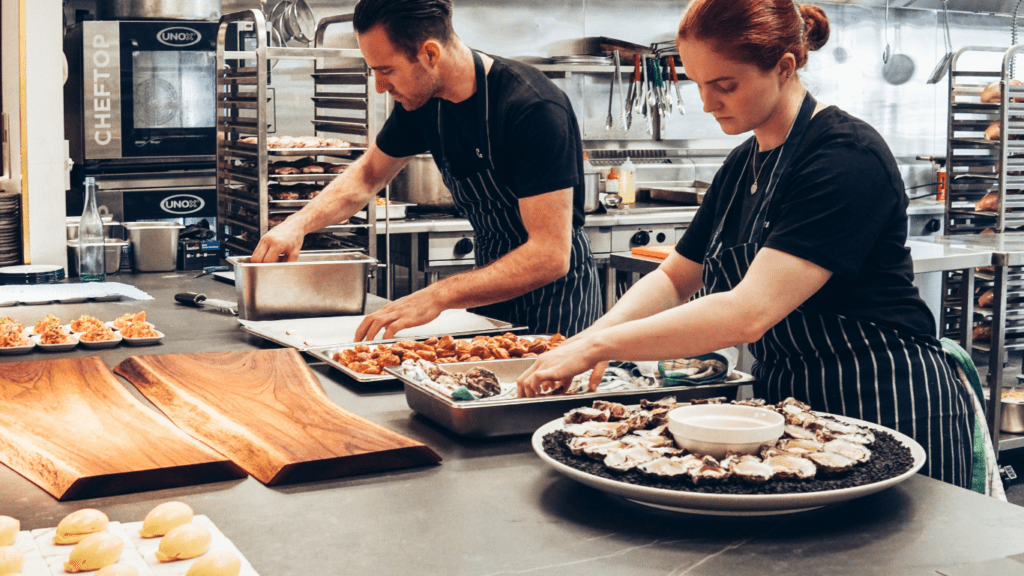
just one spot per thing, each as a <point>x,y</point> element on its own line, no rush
<point>672,68</point>
<point>190,298</point>
<point>636,67</point>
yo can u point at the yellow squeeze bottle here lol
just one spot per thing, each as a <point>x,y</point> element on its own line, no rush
<point>627,182</point>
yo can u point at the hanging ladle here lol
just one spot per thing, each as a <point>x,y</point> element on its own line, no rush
<point>885,53</point>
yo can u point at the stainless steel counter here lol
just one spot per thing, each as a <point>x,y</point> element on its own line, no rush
<point>492,507</point>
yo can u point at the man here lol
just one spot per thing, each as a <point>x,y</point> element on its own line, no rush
<point>508,146</point>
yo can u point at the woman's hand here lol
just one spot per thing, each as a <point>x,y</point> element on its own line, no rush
<point>554,370</point>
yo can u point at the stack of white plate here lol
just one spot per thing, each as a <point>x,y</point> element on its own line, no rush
<point>31,274</point>
<point>10,229</point>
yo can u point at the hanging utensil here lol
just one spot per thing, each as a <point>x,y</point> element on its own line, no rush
<point>675,83</point>
<point>647,105</point>
<point>667,78</point>
<point>943,65</point>
<point>622,99</point>
<point>610,120</point>
<point>885,53</point>
<point>634,80</point>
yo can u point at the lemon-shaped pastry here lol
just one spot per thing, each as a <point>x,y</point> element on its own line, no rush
<point>216,564</point>
<point>184,542</point>
<point>164,518</point>
<point>94,552</point>
<point>11,560</point>
<point>8,530</point>
<point>118,570</point>
<point>80,524</point>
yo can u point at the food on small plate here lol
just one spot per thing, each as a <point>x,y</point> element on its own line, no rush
<point>989,203</point>
<point>165,518</point>
<point>83,322</point>
<point>13,336</point>
<point>79,524</point>
<point>99,333</point>
<point>366,360</point>
<point>8,531</point>
<point>139,330</point>
<point>127,319</point>
<point>183,542</point>
<point>47,321</point>
<point>95,551</point>
<point>11,560</point>
<point>54,335</point>
<point>7,322</point>
<point>216,564</point>
<point>992,93</point>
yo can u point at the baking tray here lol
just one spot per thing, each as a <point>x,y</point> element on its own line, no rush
<point>306,333</point>
<point>394,211</point>
<point>501,416</point>
<point>326,354</point>
<point>687,195</point>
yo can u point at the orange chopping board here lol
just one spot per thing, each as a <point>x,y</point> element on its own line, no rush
<point>73,429</point>
<point>659,252</point>
<point>266,411</point>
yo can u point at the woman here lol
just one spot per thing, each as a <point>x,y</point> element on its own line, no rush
<point>799,247</point>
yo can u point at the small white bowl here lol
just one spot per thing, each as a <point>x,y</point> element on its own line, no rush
<point>719,429</point>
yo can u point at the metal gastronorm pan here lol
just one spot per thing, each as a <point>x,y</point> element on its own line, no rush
<point>504,417</point>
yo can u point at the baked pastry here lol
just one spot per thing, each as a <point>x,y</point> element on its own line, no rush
<point>313,169</point>
<point>183,542</point>
<point>95,551</point>
<point>81,523</point>
<point>8,531</point>
<point>216,564</point>
<point>285,170</point>
<point>11,560</point>
<point>337,168</point>
<point>982,333</point>
<point>284,195</point>
<point>989,203</point>
<point>992,93</point>
<point>165,518</point>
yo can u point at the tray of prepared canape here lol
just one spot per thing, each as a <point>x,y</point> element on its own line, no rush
<point>366,361</point>
<point>479,398</point>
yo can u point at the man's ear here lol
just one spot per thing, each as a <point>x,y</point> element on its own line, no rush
<point>430,53</point>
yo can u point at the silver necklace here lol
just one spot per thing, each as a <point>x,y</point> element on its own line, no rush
<point>756,171</point>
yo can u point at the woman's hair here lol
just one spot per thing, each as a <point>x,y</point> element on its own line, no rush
<point>759,32</point>
<point>408,23</point>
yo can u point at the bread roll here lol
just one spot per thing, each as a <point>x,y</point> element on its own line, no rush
<point>991,93</point>
<point>982,333</point>
<point>989,203</point>
<point>985,300</point>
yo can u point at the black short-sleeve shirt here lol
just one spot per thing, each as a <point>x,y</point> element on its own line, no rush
<point>842,206</point>
<point>535,139</point>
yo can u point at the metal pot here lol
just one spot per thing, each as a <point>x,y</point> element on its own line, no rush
<point>591,183</point>
<point>160,9</point>
<point>420,183</point>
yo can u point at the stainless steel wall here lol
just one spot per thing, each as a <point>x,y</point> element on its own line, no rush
<point>847,72</point>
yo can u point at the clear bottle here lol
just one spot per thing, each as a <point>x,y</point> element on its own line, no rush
<point>627,182</point>
<point>92,266</point>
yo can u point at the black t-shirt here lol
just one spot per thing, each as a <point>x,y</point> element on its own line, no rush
<point>536,145</point>
<point>841,206</point>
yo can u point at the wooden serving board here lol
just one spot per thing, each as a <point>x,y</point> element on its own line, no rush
<point>266,411</point>
<point>72,428</point>
<point>659,252</point>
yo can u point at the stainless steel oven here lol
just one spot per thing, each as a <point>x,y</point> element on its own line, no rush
<point>141,90</point>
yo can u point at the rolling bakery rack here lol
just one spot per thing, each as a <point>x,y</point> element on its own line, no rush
<point>992,168</point>
<point>252,198</point>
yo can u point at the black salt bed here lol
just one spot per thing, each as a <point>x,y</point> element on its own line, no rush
<point>889,458</point>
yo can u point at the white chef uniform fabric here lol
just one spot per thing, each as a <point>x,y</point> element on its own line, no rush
<point>567,305</point>
<point>846,366</point>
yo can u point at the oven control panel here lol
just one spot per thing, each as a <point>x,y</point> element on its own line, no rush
<point>623,238</point>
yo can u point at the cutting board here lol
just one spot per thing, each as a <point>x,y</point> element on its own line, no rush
<point>659,252</point>
<point>266,411</point>
<point>72,428</point>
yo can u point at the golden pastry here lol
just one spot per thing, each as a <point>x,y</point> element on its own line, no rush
<point>164,517</point>
<point>118,570</point>
<point>216,564</point>
<point>184,542</point>
<point>80,524</point>
<point>8,530</point>
<point>94,552</point>
<point>11,560</point>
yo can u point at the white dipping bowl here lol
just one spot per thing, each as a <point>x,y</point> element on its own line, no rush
<point>719,429</point>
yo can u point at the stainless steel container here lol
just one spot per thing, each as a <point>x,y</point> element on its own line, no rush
<point>111,255</point>
<point>159,9</point>
<point>420,183</point>
<point>317,284</point>
<point>72,226</point>
<point>1011,417</point>
<point>154,245</point>
<point>591,198</point>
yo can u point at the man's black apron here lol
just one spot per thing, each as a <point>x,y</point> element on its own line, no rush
<point>567,305</point>
<point>842,365</point>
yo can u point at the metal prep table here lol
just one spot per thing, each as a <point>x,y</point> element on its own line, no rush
<point>493,507</point>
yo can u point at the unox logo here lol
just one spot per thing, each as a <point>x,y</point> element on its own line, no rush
<point>182,204</point>
<point>178,36</point>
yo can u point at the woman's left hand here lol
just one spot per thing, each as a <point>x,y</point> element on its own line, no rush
<point>554,370</point>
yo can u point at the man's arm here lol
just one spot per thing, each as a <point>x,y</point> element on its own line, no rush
<point>343,197</point>
<point>542,259</point>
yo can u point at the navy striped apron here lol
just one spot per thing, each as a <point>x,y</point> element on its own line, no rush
<point>567,305</point>
<point>846,366</point>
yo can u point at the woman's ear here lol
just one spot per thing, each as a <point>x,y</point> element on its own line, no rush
<point>786,66</point>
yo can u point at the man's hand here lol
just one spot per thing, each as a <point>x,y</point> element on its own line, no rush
<point>413,310</point>
<point>554,370</point>
<point>281,244</point>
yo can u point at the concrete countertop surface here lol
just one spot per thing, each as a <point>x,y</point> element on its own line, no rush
<point>493,507</point>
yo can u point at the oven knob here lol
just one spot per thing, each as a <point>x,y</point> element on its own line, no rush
<point>661,237</point>
<point>463,247</point>
<point>641,238</point>
<point>933,225</point>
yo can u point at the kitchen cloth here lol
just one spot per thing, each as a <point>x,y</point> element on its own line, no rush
<point>47,293</point>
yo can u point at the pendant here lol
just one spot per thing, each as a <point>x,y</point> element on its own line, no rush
<point>753,188</point>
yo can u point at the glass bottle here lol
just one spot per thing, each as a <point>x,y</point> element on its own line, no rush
<point>92,266</point>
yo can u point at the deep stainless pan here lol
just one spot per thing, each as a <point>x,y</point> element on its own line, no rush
<point>159,9</point>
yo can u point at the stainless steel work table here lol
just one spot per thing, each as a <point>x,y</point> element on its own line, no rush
<point>493,507</point>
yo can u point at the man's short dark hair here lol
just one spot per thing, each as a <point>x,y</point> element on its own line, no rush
<point>408,23</point>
